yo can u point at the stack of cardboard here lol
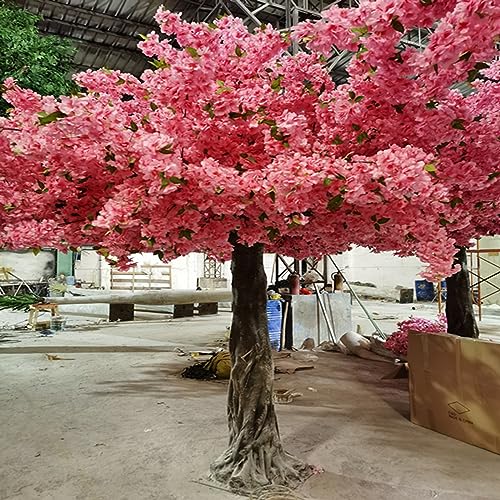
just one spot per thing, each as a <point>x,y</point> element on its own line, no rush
<point>455,387</point>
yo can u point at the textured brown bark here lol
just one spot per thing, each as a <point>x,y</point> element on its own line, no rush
<point>459,309</point>
<point>255,456</point>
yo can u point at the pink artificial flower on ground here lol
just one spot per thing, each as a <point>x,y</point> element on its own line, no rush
<point>398,341</point>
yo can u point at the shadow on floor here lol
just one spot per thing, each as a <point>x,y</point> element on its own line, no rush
<point>161,379</point>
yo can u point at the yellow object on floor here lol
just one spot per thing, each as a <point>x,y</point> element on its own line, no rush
<point>220,365</point>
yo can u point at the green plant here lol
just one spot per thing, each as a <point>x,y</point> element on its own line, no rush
<point>19,302</point>
<point>41,63</point>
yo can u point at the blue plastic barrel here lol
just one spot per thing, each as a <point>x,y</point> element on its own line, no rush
<point>424,290</point>
<point>443,290</point>
<point>274,320</point>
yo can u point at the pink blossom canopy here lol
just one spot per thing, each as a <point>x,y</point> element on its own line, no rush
<point>228,133</point>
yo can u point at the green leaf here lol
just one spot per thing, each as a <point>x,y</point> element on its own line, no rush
<point>111,168</point>
<point>109,156</point>
<point>209,109</point>
<point>396,24</point>
<point>335,203</point>
<point>160,64</point>
<point>360,31</point>
<point>103,251</point>
<point>19,302</point>
<point>45,119</point>
<point>455,201</point>
<point>443,221</point>
<point>151,241</point>
<point>431,104</point>
<point>272,233</point>
<point>327,181</point>
<point>272,194</point>
<point>399,108</point>
<point>177,180</point>
<point>383,220</point>
<point>430,168</point>
<point>361,50</point>
<point>164,180</point>
<point>239,51</point>
<point>276,83</point>
<point>160,254</point>
<point>9,207</point>
<point>133,126</point>
<point>458,123</point>
<point>337,141</point>
<point>153,106</point>
<point>192,52</point>
<point>426,2</point>
<point>222,87</point>
<point>308,86</point>
<point>166,150</point>
<point>493,175</point>
<point>219,190</point>
<point>35,250</point>
<point>465,56</point>
<point>186,233</point>
<point>263,216</point>
<point>362,137</point>
<point>268,121</point>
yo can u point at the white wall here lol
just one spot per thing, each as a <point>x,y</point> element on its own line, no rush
<point>28,266</point>
<point>385,270</point>
<point>91,268</point>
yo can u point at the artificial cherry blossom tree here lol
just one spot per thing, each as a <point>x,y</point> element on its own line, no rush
<point>231,146</point>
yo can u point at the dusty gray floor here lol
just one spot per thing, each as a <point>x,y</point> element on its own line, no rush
<point>117,422</point>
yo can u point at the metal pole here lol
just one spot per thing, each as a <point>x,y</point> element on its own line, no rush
<point>368,315</point>
<point>330,328</point>
<point>479,298</point>
<point>440,302</point>
<point>288,14</point>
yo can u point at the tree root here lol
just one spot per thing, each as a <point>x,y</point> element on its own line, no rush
<point>259,467</point>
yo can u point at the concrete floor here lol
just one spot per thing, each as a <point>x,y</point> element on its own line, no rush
<point>115,421</point>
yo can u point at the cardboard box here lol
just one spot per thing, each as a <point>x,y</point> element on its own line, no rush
<point>455,387</point>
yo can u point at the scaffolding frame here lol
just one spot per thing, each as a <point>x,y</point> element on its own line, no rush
<point>477,278</point>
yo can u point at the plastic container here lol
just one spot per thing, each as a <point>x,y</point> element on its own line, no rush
<point>424,290</point>
<point>274,321</point>
<point>57,323</point>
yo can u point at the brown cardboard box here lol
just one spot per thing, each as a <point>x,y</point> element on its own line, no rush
<point>455,387</point>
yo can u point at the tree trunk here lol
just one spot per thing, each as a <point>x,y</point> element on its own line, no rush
<point>459,310</point>
<point>255,456</point>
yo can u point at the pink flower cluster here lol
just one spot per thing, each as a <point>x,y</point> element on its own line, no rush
<point>398,341</point>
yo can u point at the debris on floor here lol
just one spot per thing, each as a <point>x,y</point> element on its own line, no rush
<point>218,366</point>
<point>285,396</point>
<point>290,362</point>
<point>54,357</point>
<point>307,345</point>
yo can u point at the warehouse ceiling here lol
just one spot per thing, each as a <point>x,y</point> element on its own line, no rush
<point>107,31</point>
